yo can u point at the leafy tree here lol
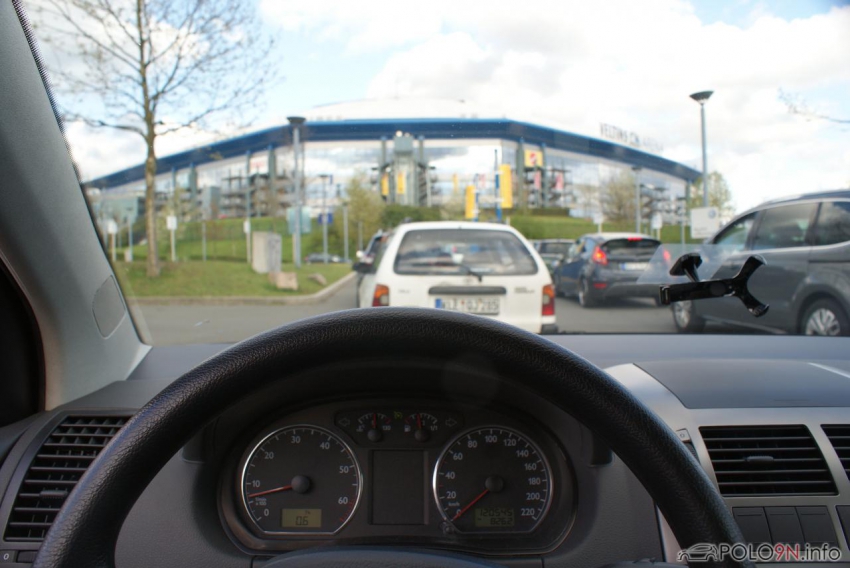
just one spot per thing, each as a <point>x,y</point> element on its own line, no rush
<point>719,194</point>
<point>154,67</point>
<point>455,206</point>
<point>364,206</point>
<point>393,215</point>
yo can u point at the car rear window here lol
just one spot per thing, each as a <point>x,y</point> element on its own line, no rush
<point>631,245</point>
<point>463,251</point>
<point>555,248</point>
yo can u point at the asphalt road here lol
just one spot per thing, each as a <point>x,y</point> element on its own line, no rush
<point>174,324</point>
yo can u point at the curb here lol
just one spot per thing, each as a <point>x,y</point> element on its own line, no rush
<point>316,298</point>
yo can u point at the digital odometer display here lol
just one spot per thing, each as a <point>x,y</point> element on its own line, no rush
<point>301,479</point>
<point>489,517</point>
<point>492,479</point>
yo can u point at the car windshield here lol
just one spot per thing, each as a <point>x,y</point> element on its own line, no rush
<point>249,163</point>
<point>454,251</point>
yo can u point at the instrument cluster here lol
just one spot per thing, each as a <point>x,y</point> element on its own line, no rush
<point>379,471</point>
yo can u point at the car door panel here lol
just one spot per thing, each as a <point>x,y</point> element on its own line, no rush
<point>570,270</point>
<point>781,237</point>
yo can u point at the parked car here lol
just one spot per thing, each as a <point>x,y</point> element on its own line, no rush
<point>478,268</point>
<point>606,265</point>
<point>553,251</point>
<point>319,258</point>
<point>805,241</point>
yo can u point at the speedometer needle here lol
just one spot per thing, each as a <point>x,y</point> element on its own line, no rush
<point>270,491</point>
<point>471,503</point>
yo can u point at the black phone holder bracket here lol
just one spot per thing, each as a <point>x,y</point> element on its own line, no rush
<point>687,265</point>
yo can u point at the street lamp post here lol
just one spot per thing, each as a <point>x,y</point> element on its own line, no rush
<point>345,229</point>
<point>701,97</point>
<point>636,170</point>
<point>325,216</point>
<point>295,123</point>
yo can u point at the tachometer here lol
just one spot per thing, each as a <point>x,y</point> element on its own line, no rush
<point>492,479</point>
<point>301,479</point>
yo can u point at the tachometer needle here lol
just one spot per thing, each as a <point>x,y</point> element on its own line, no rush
<point>270,491</point>
<point>471,503</point>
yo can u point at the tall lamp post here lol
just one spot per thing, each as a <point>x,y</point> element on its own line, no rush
<point>701,97</point>
<point>296,122</point>
<point>636,170</point>
<point>325,216</point>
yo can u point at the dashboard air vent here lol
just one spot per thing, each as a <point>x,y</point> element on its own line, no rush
<point>767,460</point>
<point>840,438</point>
<point>54,471</point>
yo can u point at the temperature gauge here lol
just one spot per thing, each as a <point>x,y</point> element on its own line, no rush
<point>375,425</point>
<point>421,425</point>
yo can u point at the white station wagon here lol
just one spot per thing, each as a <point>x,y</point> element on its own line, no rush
<point>477,268</point>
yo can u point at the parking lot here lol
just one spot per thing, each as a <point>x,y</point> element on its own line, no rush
<point>172,324</point>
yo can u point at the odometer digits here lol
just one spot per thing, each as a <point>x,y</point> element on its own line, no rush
<point>492,479</point>
<point>300,479</point>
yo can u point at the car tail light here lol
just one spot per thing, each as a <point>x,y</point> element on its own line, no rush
<point>381,297</point>
<point>599,256</point>
<point>548,308</point>
<point>634,239</point>
<point>667,256</point>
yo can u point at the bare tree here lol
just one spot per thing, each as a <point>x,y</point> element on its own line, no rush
<point>588,198</point>
<point>798,105</point>
<point>618,197</point>
<point>154,67</point>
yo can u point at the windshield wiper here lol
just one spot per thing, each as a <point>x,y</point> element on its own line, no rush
<point>451,264</point>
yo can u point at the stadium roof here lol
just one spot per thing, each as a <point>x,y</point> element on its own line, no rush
<point>374,129</point>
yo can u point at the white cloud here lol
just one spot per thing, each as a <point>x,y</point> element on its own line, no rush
<point>361,26</point>
<point>573,65</point>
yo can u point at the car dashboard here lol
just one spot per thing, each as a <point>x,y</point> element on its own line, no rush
<point>441,457</point>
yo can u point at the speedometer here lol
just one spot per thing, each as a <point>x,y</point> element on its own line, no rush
<point>300,479</point>
<point>492,479</point>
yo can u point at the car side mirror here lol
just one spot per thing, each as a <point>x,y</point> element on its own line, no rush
<point>365,264</point>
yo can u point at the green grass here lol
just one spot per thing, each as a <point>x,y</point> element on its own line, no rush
<point>226,272</point>
<point>218,279</point>
<point>548,227</point>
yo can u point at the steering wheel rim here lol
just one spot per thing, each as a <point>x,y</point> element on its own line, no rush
<point>86,530</point>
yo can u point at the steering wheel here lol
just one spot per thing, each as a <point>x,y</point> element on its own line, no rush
<point>86,530</point>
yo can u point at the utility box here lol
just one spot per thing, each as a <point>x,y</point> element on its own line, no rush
<point>266,249</point>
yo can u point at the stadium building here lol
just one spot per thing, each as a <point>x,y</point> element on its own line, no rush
<point>421,152</point>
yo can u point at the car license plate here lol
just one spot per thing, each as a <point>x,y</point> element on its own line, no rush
<point>634,265</point>
<point>469,305</point>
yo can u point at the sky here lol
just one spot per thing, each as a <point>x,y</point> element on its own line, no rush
<point>572,65</point>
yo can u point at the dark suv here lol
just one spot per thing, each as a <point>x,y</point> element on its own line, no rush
<point>805,241</point>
